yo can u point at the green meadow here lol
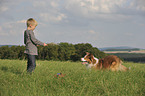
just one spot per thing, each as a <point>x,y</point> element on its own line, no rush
<point>78,81</point>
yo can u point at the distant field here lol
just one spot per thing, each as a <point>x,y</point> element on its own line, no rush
<point>14,80</point>
<point>133,56</point>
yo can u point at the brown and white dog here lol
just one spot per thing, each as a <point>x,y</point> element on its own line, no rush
<point>110,62</point>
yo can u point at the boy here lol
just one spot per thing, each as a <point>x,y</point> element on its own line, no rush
<point>31,44</point>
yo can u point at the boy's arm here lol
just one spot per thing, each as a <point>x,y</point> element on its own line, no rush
<point>34,40</point>
<point>25,37</point>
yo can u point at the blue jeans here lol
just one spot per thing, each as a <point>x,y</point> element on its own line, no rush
<point>31,63</point>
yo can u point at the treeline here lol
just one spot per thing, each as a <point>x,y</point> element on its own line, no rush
<point>62,51</point>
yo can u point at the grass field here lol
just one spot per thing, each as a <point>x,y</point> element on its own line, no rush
<point>15,81</point>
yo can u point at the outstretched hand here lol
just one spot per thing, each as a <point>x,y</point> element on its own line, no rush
<point>45,44</point>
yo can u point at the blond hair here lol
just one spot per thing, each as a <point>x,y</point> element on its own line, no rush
<point>31,21</point>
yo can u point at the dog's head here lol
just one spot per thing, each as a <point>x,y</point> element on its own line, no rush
<point>89,59</point>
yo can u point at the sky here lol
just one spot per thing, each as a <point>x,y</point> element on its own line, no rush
<point>102,23</point>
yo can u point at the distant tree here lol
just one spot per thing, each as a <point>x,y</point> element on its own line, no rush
<point>65,51</point>
<point>49,52</point>
<point>5,52</point>
<point>21,54</point>
<point>40,53</point>
<point>52,51</point>
<point>81,48</point>
<point>14,52</point>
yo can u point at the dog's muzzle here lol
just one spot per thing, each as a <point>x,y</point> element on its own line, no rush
<point>84,61</point>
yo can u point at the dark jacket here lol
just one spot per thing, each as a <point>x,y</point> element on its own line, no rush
<point>31,42</point>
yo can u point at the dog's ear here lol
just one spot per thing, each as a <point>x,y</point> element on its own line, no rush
<point>91,55</point>
<point>101,60</point>
<point>87,53</point>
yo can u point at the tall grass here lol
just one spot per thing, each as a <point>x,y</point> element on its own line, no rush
<point>15,81</point>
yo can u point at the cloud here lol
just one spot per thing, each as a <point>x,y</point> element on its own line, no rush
<point>102,8</point>
<point>49,11</point>
<point>52,17</point>
<point>92,32</point>
<point>39,3</point>
<point>3,9</point>
<point>45,4</point>
<point>138,4</point>
<point>12,28</point>
<point>21,21</point>
<point>6,5</point>
<point>54,4</point>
